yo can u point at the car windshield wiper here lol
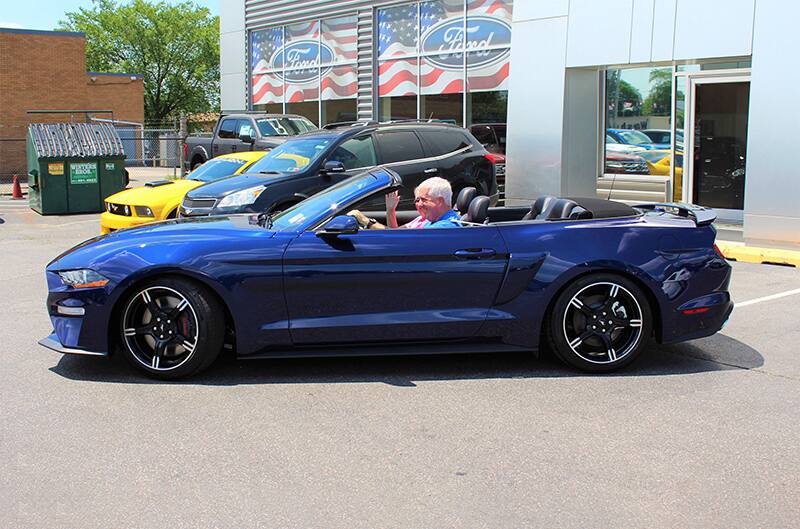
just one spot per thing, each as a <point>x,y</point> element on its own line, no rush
<point>270,172</point>
<point>265,220</point>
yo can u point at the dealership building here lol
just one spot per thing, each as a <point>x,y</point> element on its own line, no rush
<point>629,99</point>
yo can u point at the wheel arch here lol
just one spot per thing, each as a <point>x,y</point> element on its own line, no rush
<point>626,273</point>
<point>126,289</point>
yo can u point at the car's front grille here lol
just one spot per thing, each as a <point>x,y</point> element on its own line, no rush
<point>192,203</point>
<point>118,209</point>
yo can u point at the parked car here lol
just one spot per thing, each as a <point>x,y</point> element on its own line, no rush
<point>493,138</point>
<point>632,137</point>
<point>591,279</point>
<point>663,137</point>
<point>243,132</point>
<point>160,200</point>
<point>622,163</point>
<point>314,161</point>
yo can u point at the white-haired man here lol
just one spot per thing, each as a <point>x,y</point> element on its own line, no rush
<point>432,198</point>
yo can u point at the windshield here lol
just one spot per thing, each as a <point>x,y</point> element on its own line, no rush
<point>323,203</point>
<point>216,169</point>
<point>634,137</point>
<point>284,126</point>
<point>291,156</point>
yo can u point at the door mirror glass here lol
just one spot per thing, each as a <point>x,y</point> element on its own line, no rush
<point>333,166</point>
<point>341,225</point>
<point>246,137</point>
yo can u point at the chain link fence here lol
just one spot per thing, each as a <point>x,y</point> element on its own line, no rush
<point>151,147</point>
<point>144,147</point>
<point>12,163</point>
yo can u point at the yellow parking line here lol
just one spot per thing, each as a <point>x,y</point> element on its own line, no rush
<point>754,254</point>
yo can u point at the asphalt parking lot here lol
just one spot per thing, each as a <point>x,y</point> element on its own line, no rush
<point>703,434</point>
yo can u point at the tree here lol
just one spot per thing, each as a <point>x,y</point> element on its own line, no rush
<point>623,98</point>
<point>176,47</point>
<point>659,101</point>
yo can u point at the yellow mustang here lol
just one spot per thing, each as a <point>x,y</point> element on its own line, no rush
<point>160,200</point>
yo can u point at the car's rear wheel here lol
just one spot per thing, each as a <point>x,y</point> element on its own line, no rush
<point>600,323</point>
<point>171,328</point>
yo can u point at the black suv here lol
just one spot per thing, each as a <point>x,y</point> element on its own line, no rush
<point>310,162</point>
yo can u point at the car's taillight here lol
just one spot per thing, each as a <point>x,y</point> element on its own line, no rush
<point>718,251</point>
<point>185,151</point>
<point>492,158</point>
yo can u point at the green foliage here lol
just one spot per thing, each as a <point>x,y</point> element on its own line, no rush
<point>176,47</point>
<point>623,98</point>
<point>659,100</point>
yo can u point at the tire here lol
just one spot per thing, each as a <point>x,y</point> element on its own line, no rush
<point>171,328</point>
<point>599,323</point>
<point>196,162</point>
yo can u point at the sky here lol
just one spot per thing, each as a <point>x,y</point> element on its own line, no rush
<point>45,14</point>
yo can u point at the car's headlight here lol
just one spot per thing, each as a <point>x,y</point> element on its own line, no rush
<point>83,278</point>
<point>241,198</point>
<point>143,211</point>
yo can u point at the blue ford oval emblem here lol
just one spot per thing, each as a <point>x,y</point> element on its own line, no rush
<point>299,60</point>
<point>446,39</point>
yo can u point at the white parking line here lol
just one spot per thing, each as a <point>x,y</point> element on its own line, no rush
<point>768,298</point>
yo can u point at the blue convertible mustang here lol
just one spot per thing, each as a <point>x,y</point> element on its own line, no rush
<point>594,280</point>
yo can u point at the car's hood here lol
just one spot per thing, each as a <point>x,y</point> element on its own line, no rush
<point>146,195</point>
<point>237,183</point>
<point>200,236</point>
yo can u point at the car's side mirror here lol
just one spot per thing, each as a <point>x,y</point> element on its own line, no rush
<point>333,166</point>
<point>341,225</point>
<point>247,138</point>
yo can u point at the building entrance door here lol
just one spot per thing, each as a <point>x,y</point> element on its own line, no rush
<point>717,144</point>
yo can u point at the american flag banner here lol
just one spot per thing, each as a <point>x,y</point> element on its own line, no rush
<point>340,82</point>
<point>487,70</point>
<point>267,84</point>
<point>302,31</point>
<point>341,36</point>
<point>433,12</point>
<point>397,78</point>
<point>398,30</point>
<point>499,9</point>
<point>437,80</point>
<point>302,63</point>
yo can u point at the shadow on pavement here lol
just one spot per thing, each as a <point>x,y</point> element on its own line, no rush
<point>717,353</point>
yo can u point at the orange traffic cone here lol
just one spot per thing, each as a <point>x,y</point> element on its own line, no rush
<point>16,189</point>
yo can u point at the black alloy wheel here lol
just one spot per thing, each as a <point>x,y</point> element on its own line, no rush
<point>171,328</point>
<point>600,323</point>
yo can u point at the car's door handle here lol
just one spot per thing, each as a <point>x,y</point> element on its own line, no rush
<point>431,170</point>
<point>474,253</point>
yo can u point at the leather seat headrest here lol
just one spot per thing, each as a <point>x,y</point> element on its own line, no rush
<point>464,199</point>
<point>478,210</point>
<point>538,206</point>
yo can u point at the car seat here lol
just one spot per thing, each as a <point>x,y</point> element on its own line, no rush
<point>478,211</point>
<point>538,206</point>
<point>464,199</point>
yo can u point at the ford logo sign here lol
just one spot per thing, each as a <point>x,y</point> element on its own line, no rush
<point>300,60</point>
<point>446,40</point>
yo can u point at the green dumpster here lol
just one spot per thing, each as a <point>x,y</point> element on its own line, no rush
<point>73,167</point>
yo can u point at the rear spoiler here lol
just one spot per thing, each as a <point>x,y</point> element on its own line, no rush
<point>702,216</point>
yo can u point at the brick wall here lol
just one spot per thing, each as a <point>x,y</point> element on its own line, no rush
<point>47,70</point>
<point>124,94</point>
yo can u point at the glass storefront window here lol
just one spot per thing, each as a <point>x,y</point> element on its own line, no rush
<point>421,47</point>
<point>307,69</point>
<point>397,89</point>
<point>638,125</point>
<point>339,87</point>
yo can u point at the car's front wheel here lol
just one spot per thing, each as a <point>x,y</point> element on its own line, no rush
<point>600,323</point>
<point>171,328</point>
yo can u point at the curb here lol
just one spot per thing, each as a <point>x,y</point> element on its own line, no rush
<point>752,254</point>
